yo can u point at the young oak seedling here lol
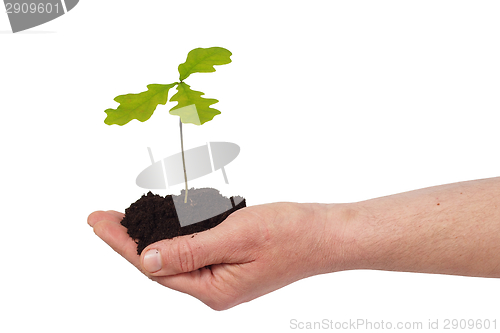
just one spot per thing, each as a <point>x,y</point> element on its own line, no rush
<point>191,107</point>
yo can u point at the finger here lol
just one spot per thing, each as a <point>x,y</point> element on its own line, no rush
<point>102,215</point>
<point>229,242</point>
<point>117,214</point>
<point>115,235</point>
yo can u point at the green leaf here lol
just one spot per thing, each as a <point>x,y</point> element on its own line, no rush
<point>191,107</point>
<point>202,60</point>
<point>138,106</point>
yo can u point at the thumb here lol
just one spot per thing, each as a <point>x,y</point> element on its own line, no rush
<point>188,253</point>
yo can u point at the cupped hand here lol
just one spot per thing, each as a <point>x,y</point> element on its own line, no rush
<point>256,250</point>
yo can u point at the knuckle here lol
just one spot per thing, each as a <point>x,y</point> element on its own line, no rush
<point>220,304</point>
<point>222,297</point>
<point>184,256</point>
<point>217,306</point>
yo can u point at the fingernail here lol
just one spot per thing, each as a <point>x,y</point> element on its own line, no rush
<point>152,261</point>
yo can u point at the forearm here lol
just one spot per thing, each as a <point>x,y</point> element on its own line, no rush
<point>449,229</point>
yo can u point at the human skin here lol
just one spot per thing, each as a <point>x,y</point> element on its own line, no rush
<point>448,229</point>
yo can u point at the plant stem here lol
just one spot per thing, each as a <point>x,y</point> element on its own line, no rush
<point>183,163</point>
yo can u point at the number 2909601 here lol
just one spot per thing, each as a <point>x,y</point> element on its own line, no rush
<point>32,8</point>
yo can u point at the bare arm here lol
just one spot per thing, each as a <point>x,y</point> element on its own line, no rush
<point>449,229</point>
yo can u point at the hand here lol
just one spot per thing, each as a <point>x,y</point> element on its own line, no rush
<point>448,229</point>
<point>256,250</point>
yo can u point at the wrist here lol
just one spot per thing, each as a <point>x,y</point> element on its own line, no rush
<point>348,243</point>
<point>319,236</point>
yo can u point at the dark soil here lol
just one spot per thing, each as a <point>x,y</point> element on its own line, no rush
<point>153,217</point>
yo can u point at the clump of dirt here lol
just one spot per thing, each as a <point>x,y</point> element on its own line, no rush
<point>153,217</point>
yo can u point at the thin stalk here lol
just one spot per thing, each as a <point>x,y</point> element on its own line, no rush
<point>183,163</point>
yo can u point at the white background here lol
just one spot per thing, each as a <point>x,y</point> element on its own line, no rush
<point>330,101</point>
